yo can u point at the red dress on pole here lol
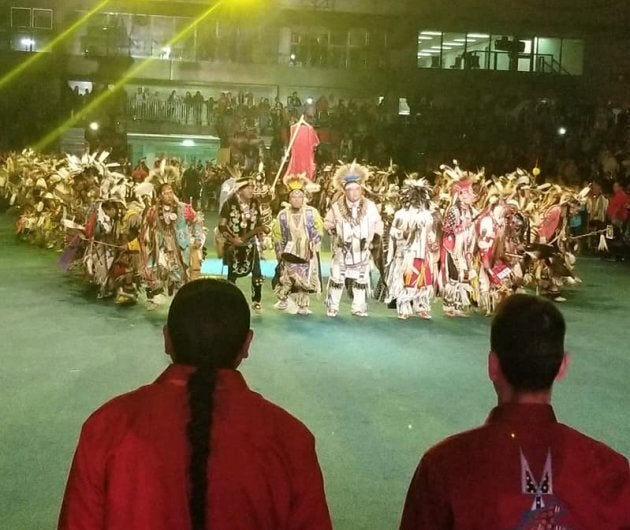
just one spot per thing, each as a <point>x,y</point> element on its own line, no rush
<point>303,150</point>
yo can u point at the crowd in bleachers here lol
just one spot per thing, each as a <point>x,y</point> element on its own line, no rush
<point>569,139</point>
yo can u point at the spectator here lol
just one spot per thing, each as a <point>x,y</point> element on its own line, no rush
<point>188,104</point>
<point>198,102</point>
<point>618,216</point>
<point>210,104</point>
<point>197,449</point>
<point>140,172</point>
<point>171,105</point>
<point>191,185</point>
<point>522,469</point>
<point>294,102</point>
<point>596,207</point>
<point>618,206</point>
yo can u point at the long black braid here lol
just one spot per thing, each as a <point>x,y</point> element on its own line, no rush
<point>200,388</point>
<point>208,322</point>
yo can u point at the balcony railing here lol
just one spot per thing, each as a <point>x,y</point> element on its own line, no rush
<point>156,110</point>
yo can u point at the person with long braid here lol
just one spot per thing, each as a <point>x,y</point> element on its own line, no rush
<point>197,449</point>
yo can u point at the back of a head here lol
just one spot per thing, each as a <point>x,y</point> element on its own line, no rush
<point>527,335</point>
<point>207,322</point>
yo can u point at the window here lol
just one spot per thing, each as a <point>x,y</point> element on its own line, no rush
<point>478,46</point>
<point>42,18</point>
<point>26,17</point>
<point>378,56</point>
<point>429,46</point>
<point>20,17</point>
<point>453,50</point>
<point>572,56</point>
<point>548,52</point>
<point>357,48</point>
<point>439,49</point>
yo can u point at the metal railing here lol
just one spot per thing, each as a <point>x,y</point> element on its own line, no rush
<point>170,111</point>
<point>501,61</point>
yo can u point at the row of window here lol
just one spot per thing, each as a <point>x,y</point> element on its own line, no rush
<point>31,17</point>
<point>153,35</point>
<point>451,50</point>
<point>142,36</point>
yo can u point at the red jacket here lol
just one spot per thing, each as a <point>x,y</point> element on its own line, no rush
<point>618,207</point>
<point>130,467</point>
<point>522,470</point>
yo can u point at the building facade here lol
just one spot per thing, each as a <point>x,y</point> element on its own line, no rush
<point>401,50</point>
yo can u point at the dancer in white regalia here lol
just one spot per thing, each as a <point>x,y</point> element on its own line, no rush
<point>355,226</point>
<point>414,251</point>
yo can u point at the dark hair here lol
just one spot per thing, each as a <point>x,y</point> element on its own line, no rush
<point>208,323</point>
<point>527,335</point>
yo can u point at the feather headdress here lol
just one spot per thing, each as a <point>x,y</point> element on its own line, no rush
<point>299,182</point>
<point>456,180</point>
<point>352,173</point>
<point>415,191</point>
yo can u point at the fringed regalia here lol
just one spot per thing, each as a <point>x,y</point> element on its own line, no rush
<point>167,237</point>
<point>243,220</point>
<point>413,253</point>
<point>494,273</point>
<point>457,268</point>
<point>354,226</point>
<point>297,236</point>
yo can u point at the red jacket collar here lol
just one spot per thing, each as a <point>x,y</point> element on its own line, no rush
<point>522,413</point>
<point>178,374</point>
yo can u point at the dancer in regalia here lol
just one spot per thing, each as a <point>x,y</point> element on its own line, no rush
<point>171,239</point>
<point>297,234</point>
<point>413,253</point>
<point>458,247</point>
<point>355,226</point>
<point>241,225</point>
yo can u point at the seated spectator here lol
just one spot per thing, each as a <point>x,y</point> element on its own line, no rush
<point>522,469</point>
<point>196,449</point>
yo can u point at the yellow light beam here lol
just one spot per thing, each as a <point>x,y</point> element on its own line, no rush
<point>12,74</point>
<point>129,74</point>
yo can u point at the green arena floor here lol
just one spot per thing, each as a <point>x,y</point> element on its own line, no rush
<point>376,392</point>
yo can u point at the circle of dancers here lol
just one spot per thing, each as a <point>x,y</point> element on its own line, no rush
<point>460,236</point>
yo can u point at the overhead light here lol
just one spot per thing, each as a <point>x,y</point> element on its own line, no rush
<point>93,126</point>
<point>562,131</point>
<point>428,50</point>
<point>446,48</point>
<point>436,47</point>
<point>460,40</point>
<point>434,33</point>
<point>424,37</point>
<point>479,35</point>
<point>424,54</point>
<point>188,142</point>
<point>453,43</point>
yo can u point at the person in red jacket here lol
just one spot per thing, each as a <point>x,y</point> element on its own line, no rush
<point>617,214</point>
<point>196,449</point>
<point>522,469</point>
<point>618,206</point>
